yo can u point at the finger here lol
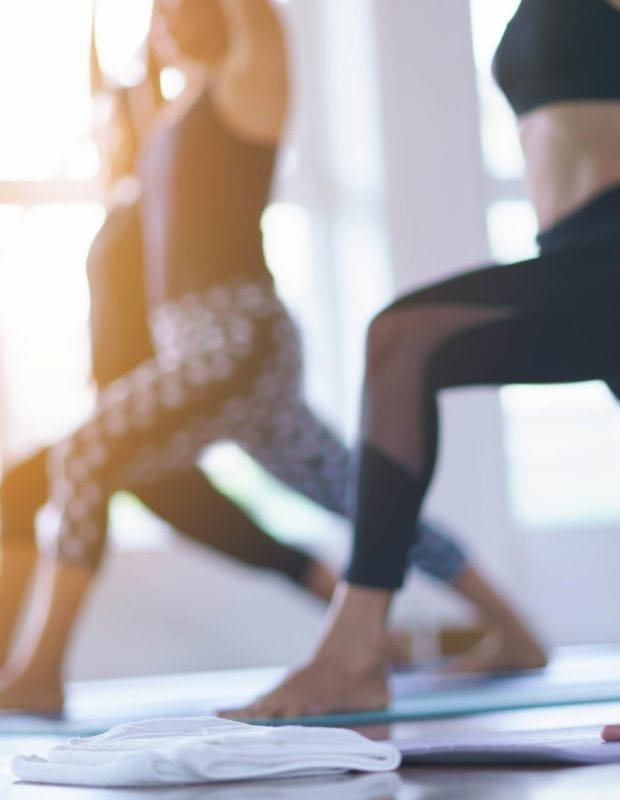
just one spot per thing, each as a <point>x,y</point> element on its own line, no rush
<point>611,733</point>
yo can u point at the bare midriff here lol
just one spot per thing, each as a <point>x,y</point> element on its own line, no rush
<point>572,154</point>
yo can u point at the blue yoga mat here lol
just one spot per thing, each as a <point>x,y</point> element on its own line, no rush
<point>574,676</point>
<point>505,694</point>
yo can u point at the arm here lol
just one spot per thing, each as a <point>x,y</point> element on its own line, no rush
<point>253,86</point>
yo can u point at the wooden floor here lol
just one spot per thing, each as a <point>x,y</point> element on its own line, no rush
<point>589,783</point>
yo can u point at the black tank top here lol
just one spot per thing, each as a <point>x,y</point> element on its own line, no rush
<point>204,191</point>
<point>555,50</point>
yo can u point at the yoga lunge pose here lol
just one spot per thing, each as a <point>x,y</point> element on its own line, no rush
<point>554,318</point>
<point>225,363</point>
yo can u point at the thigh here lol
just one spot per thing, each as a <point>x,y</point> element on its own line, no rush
<point>224,381</point>
<point>530,348</point>
<point>213,353</point>
<point>551,318</point>
<point>572,278</point>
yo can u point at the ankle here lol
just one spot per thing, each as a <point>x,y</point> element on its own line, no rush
<point>355,638</point>
<point>42,680</point>
<point>320,581</point>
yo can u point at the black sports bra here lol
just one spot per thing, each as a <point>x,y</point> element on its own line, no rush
<point>555,50</point>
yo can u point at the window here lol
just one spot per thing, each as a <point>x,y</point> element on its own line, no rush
<point>50,209</point>
<point>561,441</point>
<point>48,215</point>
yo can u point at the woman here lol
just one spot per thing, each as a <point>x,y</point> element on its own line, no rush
<point>227,358</point>
<point>552,318</point>
<point>120,341</point>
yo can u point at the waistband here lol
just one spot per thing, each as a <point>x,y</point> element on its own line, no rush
<point>598,219</point>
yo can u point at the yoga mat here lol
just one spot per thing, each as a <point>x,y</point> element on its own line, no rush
<point>574,676</point>
<point>94,706</point>
<point>563,746</point>
<point>474,699</point>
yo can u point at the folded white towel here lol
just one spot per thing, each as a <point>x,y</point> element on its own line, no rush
<point>201,750</point>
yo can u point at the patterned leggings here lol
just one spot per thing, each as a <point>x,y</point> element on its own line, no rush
<point>227,367</point>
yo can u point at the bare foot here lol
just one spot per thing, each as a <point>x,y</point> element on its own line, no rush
<point>347,673</point>
<point>398,648</point>
<point>320,688</point>
<point>611,733</point>
<point>24,693</point>
<point>500,652</point>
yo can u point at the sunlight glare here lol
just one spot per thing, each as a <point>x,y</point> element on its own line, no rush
<point>122,27</point>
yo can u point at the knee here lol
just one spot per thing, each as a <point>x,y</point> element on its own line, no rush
<point>381,338</point>
<point>386,344</point>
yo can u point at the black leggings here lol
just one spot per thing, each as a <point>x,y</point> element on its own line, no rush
<point>555,318</point>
